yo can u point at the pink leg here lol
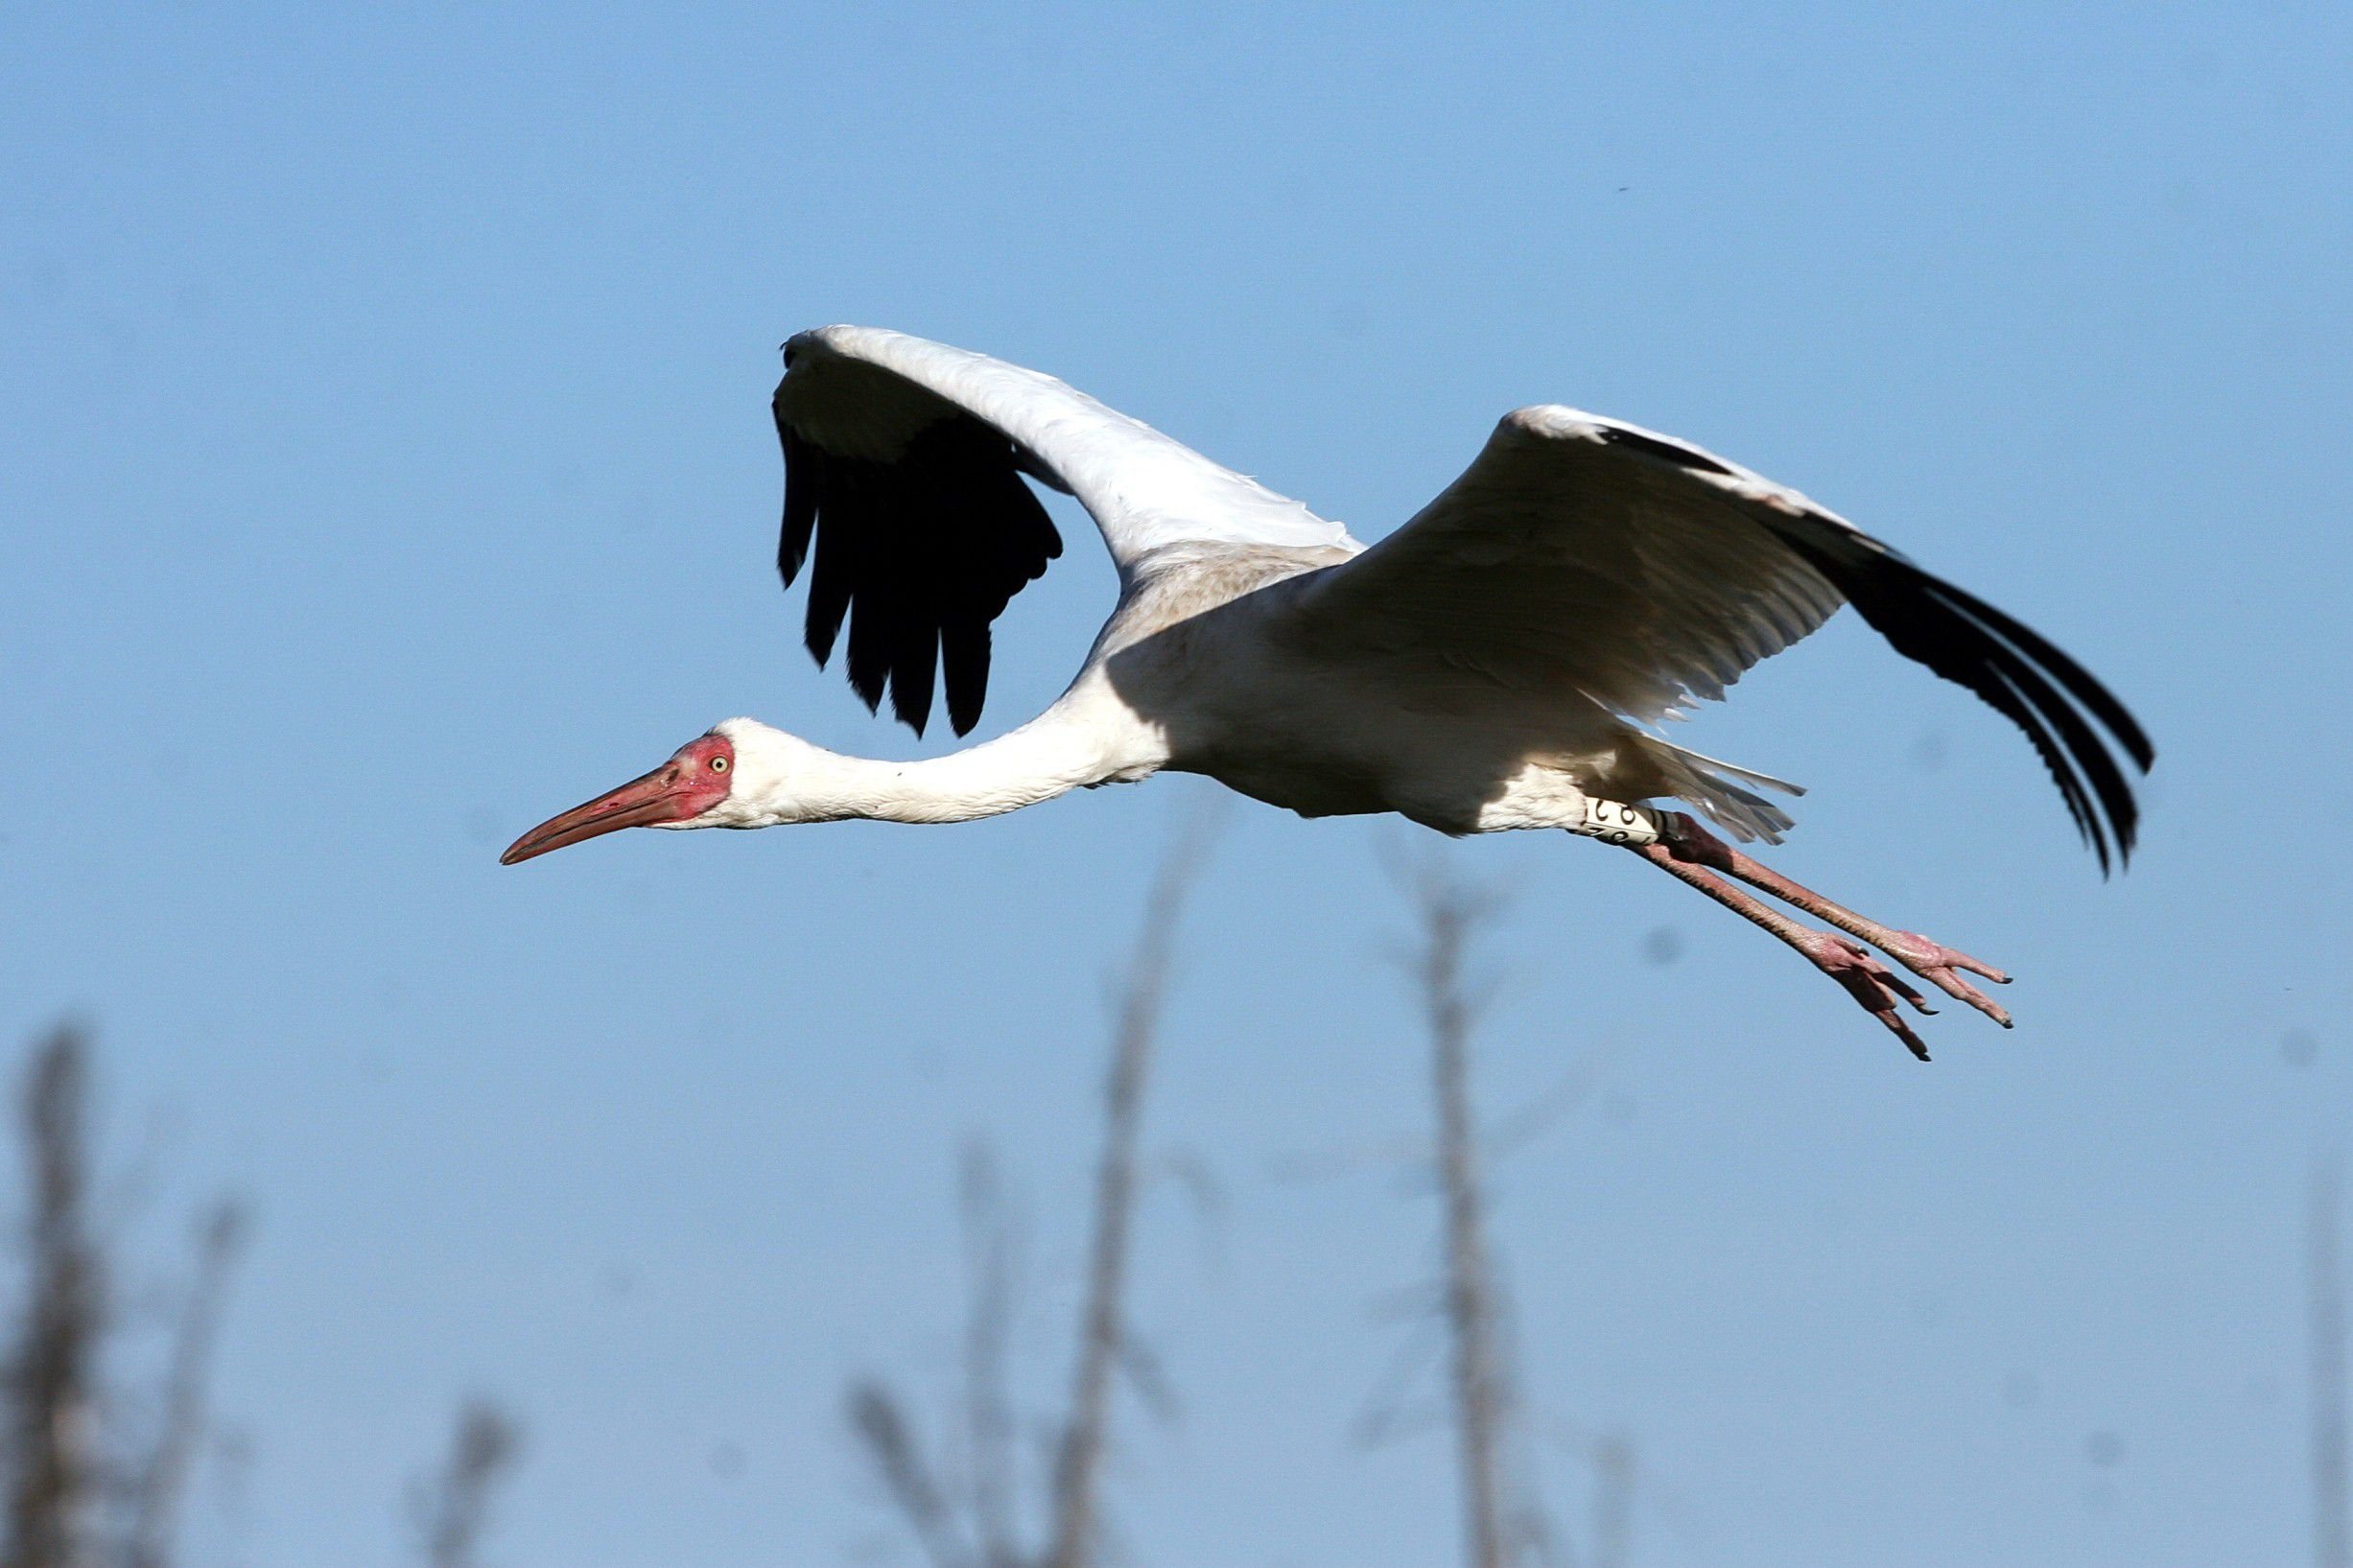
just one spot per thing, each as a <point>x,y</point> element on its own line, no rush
<point>1940,966</point>
<point>1868,980</point>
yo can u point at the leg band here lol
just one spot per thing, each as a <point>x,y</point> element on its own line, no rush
<point>1613,822</point>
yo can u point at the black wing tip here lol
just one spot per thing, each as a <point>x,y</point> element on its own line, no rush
<point>802,484</point>
<point>965,646</point>
<point>867,682</point>
<point>2074,724</point>
<point>2081,758</point>
<point>910,703</point>
<point>2095,698</point>
<point>913,557</point>
<point>820,636</point>
<point>2088,726</point>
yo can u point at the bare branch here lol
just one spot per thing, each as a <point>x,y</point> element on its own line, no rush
<point>880,1423</point>
<point>1102,1331</point>
<point>1206,1196</point>
<point>1523,1125</point>
<point>1149,1379</point>
<point>452,1508</point>
<point>991,1248</point>
<point>1613,1484</point>
<point>1449,912</point>
<point>50,1413</point>
<point>159,1483</point>
<point>2331,1547</point>
<point>1388,1413</point>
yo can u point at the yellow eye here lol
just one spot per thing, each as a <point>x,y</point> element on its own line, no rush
<point>719,764</point>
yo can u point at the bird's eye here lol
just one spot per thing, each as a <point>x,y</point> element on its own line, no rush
<point>719,764</point>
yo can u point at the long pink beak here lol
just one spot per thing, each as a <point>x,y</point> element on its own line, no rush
<point>654,798</point>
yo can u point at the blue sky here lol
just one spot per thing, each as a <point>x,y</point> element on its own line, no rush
<point>386,466</point>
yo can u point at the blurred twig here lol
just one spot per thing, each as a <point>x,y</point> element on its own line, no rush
<point>1103,1344</point>
<point>881,1425</point>
<point>2330,1545</point>
<point>978,1523</point>
<point>1449,913</point>
<point>453,1506</point>
<point>81,1491</point>
<point>972,1517</point>
<point>991,1258</point>
<point>158,1485</point>
<point>1613,1485</point>
<point>52,1437</point>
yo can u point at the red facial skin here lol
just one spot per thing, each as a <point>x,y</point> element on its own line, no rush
<point>694,780</point>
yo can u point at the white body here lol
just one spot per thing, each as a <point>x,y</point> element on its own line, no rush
<point>1495,662</point>
<point>1195,673</point>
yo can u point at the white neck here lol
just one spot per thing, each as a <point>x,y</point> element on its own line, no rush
<point>1056,751</point>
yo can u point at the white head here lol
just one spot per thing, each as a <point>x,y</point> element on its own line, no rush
<point>741,773</point>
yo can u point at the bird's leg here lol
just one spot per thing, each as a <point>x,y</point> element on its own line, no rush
<point>1684,840</point>
<point>1870,982</point>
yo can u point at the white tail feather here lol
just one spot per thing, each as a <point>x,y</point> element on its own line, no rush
<point>1709,784</point>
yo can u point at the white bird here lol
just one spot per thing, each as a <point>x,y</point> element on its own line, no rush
<point>1491,665</point>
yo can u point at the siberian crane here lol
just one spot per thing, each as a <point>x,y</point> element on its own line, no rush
<point>1499,662</point>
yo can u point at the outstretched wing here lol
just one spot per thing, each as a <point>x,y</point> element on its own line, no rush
<point>1584,555</point>
<point>905,463</point>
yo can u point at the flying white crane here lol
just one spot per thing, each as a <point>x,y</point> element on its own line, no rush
<point>1491,665</point>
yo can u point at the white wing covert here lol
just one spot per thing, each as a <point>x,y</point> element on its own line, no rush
<point>1580,554</point>
<point>903,464</point>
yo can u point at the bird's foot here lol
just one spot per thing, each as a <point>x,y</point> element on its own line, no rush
<point>1942,967</point>
<point>1875,986</point>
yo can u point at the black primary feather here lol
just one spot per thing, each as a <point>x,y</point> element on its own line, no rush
<point>2012,669</point>
<point>2008,665</point>
<point>919,554</point>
